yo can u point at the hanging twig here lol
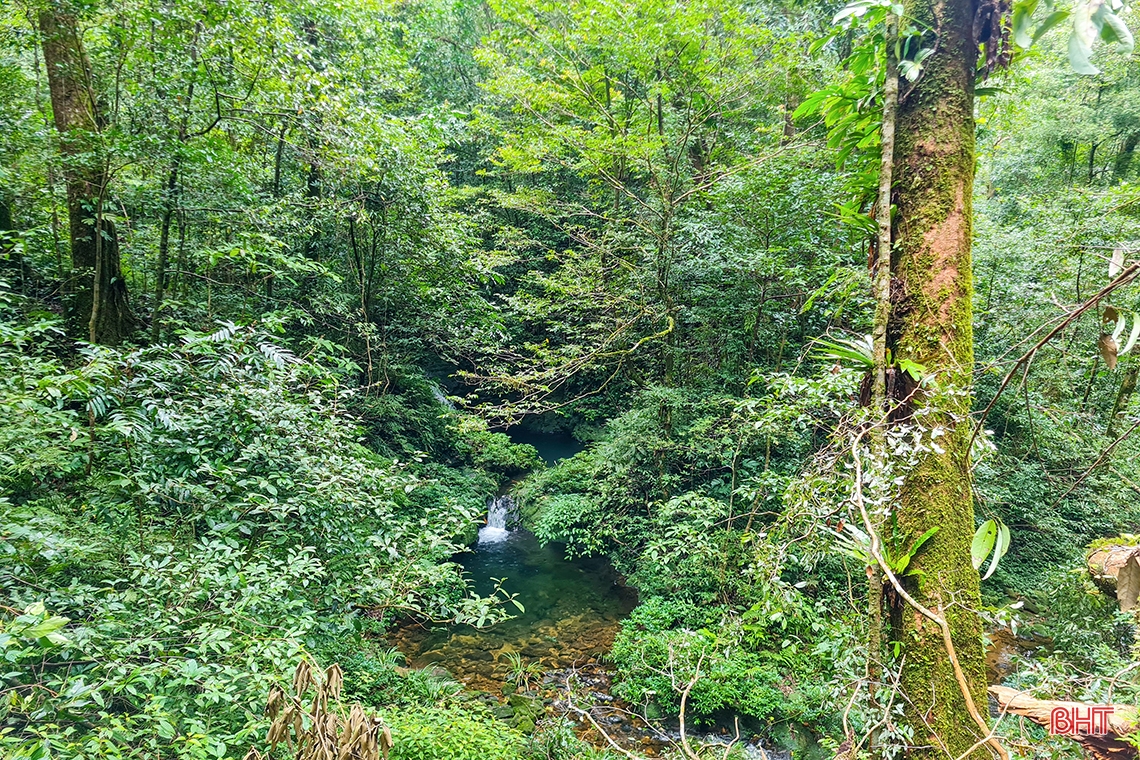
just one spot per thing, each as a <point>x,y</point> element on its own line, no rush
<point>1123,279</point>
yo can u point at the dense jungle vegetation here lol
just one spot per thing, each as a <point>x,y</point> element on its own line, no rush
<point>838,300</point>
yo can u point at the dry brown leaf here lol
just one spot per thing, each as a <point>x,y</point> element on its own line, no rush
<point>1107,348</point>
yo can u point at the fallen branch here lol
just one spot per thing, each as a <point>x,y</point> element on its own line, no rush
<point>1109,746</point>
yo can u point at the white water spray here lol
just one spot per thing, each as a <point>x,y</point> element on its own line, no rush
<point>498,509</point>
<point>437,394</point>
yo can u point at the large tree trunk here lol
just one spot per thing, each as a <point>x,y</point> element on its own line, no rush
<point>97,308</point>
<point>930,324</point>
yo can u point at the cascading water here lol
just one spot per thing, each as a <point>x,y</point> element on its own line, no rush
<point>498,509</point>
<point>437,394</point>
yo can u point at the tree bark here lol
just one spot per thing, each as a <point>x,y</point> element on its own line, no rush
<point>1110,745</point>
<point>930,324</point>
<point>97,307</point>
<point>1123,161</point>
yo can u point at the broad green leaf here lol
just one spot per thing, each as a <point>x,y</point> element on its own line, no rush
<point>1022,27</point>
<point>1133,335</point>
<point>1001,547</point>
<point>1115,30</point>
<point>43,628</point>
<point>983,542</point>
<point>1079,54</point>
<point>904,561</point>
<point>1052,20</point>
<point>1121,323</point>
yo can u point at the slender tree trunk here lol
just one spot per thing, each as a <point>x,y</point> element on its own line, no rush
<point>881,287</point>
<point>930,323</point>
<point>1123,397</point>
<point>97,308</point>
<point>164,246</point>
<point>313,179</point>
<point>170,196</point>
<point>1123,161</point>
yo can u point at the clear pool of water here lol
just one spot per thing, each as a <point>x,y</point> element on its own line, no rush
<point>573,611</point>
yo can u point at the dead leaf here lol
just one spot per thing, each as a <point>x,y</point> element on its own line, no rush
<point>1107,348</point>
<point>1116,264</point>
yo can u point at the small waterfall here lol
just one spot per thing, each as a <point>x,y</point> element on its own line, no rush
<point>437,393</point>
<point>498,509</point>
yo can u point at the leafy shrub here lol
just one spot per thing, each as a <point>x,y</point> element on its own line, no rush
<point>492,452</point>
<point>451,734</point>
<point>656,667</point>
<point>204,516</point>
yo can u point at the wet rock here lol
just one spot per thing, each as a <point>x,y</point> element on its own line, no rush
<point>615,719</point>
<point>523,702</point>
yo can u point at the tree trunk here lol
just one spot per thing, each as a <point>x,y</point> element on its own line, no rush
<point>168,201</point>
<point>1123,397</point>
<point>930,323</point>
<point>97,308</point>
<point>1115,569</point>
<point>1123,161</point>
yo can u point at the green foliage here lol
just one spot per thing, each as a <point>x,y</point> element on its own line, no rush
<point>227,486</point>
<point>622,216</point>
<point>451,734</point>
<point>993,538</point>
<point>659,655</point>
<point>494,452</point>
<point>857,545</point>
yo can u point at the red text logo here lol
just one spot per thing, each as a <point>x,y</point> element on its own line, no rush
<point>1090,720</point>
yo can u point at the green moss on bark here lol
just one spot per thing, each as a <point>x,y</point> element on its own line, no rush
<point>931,325</point>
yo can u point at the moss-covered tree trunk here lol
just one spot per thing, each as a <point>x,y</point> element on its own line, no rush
<point>97,307</point>
<point>930,323</point>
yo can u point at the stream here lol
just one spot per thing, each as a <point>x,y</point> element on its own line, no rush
<point>573,609</point>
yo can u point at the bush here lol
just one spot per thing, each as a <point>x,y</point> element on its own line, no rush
<point>189,520</point>
<point>655,667</point>
<point>451,734</point>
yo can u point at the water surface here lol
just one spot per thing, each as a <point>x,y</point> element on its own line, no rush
<point>573,611</point>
